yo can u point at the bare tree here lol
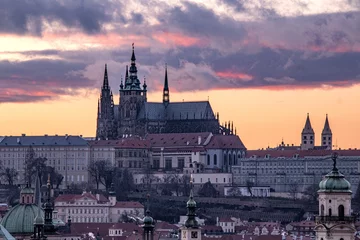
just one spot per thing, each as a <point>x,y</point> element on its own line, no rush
<point>34,166</point>
<point>101,172</point>
<point>9,175</point>
<point>55,177</point>
<point>311,192</point>
<point>234,192</point>
<point>294,190</point>
<point>208,190</point>
<point>185,185</point>
<point>249,186</point>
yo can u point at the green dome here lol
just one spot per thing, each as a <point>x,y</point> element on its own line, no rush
<point>191,203</point>
<point>148,220</point>
<point>334,182</point>
<point>20,219</point>
<point>39,220</point>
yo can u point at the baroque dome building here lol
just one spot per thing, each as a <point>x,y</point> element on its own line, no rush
<point>20,219</point>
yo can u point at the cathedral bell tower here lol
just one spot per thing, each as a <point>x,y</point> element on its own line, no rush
<point>335,220</point>
<point>132,98</point>
<point>307,136</point>
<point>191,230</point>
<point>326,135</point>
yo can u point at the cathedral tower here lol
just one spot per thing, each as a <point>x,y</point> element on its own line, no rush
<point>326,135</point>
<point>106,125</point>
<point>335,220</point>
<point>307,136</point>
<point>132,98</point>
<point>191,230</point>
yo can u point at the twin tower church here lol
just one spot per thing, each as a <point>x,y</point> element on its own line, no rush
<point>135,116</point>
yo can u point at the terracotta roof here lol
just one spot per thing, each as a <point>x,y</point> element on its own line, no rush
<point>165,226</point>
<point>177,139</point>
<point>132,143</point>
<point>225,219</point>
<point>303,224</point>
<point>300,153</point>
<point>74,197</point>
<point>225,141</point>
<point>128,205</point>
<point>103,228</point>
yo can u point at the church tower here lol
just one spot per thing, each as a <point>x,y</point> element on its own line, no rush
<point>132,98</point>
<point>307,136</point>
<point>105,119</point>
<point>326,135</point>
<point>166,93</point>
<point>48,209</point>
<point>335,220</point>
<point>191,230</point>
<point>148,224</point>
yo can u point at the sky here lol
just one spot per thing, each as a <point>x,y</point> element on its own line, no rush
<point>263,64</point>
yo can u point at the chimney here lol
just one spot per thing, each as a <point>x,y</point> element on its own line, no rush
<point>199,140</point>
<point>23,134</point>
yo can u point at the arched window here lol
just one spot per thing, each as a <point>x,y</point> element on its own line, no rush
<point>341,212</point>
<point>215,159</point>
<point>27,199</point>
<point>322,210</point>
<point>208,159</point>
<point>330,212</point>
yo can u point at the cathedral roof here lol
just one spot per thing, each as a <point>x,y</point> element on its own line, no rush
<point>43,141</point>
<point>178,139</point>
<point>176,111</point>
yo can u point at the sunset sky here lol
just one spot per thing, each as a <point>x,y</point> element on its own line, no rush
<point>263,64</point>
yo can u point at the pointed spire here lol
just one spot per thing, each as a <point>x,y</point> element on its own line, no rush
<point>144,86</point>
<point>326,130</point>
<point>166,93</point>
<point>191,221</point>
<point>121,83</point>
<point>127,73</point>
<point>106,80</point>
<point>133,59</point>
<point>307,128</point>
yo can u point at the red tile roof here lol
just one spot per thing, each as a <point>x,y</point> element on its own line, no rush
<point>165,226</point>
<point>225,219</point>
<point>225,141</point>
<point>300,153</point>
<point>103,228</point>
<point>177,139</point>
<point>128,205</point>
<point>74,197</point>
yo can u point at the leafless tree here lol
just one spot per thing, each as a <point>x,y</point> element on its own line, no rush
<point>294,189</point>
<point>9,175</point>
<point>249,186</point>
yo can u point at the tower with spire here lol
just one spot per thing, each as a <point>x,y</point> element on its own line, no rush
<point>335,220</point>
<point>166,93</point>
<point>106,124</point>
<point>307,135</point>
<point>48,209</point>
<point>191,230</point>
<point>326,135</point>
<point>132,98</point>
<point>148,221</point>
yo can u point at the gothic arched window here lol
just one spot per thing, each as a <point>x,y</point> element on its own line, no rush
<point>322,210</point>
<point>208,160</point>
<point>330,212</point>
<point>215,159</point>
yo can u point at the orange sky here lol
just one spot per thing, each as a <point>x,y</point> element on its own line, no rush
<point>262,117</point>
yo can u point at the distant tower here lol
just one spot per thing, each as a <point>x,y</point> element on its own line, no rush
<point>132,98</point>
<point>148,224</point>
<point>191,230</point>
<point>39,220</point>
<point>106,126</point>
<point>326,135</point>
<point>48,209</point>
<point>166,97</point>
<point>335,220</point>
<point>307,136</point>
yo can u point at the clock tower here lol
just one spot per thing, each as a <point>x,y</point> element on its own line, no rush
<point>191,230</point>
<point>335,220</point>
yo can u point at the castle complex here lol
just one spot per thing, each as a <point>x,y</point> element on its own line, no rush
<point>137,117</point>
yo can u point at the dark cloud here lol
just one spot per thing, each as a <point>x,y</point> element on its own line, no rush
<point>137,18</point>
<point>238,5</point>
<point>199,21</point>
<point>27,17</point>
<point>37,80</point>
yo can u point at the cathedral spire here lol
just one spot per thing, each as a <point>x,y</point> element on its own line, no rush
<point>106,80</point>
<point>307,128</point>
<point>133,59</point>
<point>326,129</point>
<point>166,97</point>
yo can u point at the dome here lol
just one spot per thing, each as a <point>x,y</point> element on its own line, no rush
<point>191,203</point>
<point>334,182</point>
<point>27,190</point>
<point>148,220</point>
<point>20,219</point>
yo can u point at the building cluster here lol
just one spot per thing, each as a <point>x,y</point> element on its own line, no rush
<point>31,219</point>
